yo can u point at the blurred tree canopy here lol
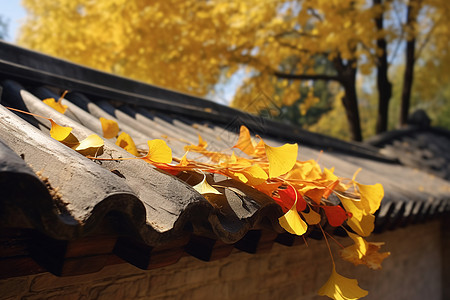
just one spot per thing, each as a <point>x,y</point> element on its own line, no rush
<point>300,57</point>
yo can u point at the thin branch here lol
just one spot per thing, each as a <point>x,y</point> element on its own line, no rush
<point>307,76</point>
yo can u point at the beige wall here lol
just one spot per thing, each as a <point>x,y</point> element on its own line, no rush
<point>412,272</point>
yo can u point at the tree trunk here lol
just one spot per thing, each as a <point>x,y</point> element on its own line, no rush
<point>350,102</point>
<point>347,75</point>
<point>383,84</point>
<point>408,77</point>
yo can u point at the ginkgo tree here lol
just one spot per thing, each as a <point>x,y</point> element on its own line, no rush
<point>191,45</point>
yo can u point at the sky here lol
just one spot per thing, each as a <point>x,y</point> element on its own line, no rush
<point>13,12</point>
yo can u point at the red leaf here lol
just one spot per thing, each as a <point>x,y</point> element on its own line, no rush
<point>287,199</point>
<point>336,215</point>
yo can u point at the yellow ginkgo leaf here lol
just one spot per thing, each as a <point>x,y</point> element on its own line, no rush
<point>110,128</point>
<point>311,217</point>
<point>363,227</point>
<point>204,188</point>
<point>158,152</point>
<point>63,134</point>
<point>339,287</point>
<point>281,159</point>
<point>56,105</point>
<point>90,145</point>
<point>371,196</point>
<point>125,141</point>
<point>292,223</point>
<point>245,142</point>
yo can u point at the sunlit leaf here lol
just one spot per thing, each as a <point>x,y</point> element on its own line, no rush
<point>126,142</point>
<point>205,188</point>
<point>363,227</point>
<point>363,252</point>
<point>245,142</point>
<point>339,287</point>
<point>371,196</point>
<point>90,145</point>
<point>292,222</point>
<point>281,159</point>
<point>63,134</point>
<point>158,152</point>
<point>110,128</point>
<point>56,105</point>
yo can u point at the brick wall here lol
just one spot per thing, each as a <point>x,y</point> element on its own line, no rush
<point>414,271</point>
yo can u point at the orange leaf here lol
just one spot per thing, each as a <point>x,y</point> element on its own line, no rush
<point>363,252</point>
<point>245,142</point>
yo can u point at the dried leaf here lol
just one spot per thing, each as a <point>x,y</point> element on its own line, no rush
<point>126,142</point>
<point>281,159</point>
<point>339,287</point>
<point>363,252</point>
<point>204,188</point>
<point>90,145</point>
<point>110,128</point>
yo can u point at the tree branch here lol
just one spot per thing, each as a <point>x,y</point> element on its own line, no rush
<point>307,76</point>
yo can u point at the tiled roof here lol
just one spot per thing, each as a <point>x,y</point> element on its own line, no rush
<point>421,147</point>
<point>58,208</point>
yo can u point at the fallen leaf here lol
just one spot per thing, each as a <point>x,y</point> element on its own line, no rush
<point>90,145</point>
<point>292,222</point>
<point>339,287</point>
<point>204,188</point>
<point>245,142</point>
<point>363,252</point>
<point>63,134</point>
<point>57,105</point>
<point>363,227</point>
<point>336,215</point>
<point>288,196</point>
<point>371,196</point>
<point>158,152</point>
<point>281,159</point>
<point>110,128</point>
<point>125,141</point>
